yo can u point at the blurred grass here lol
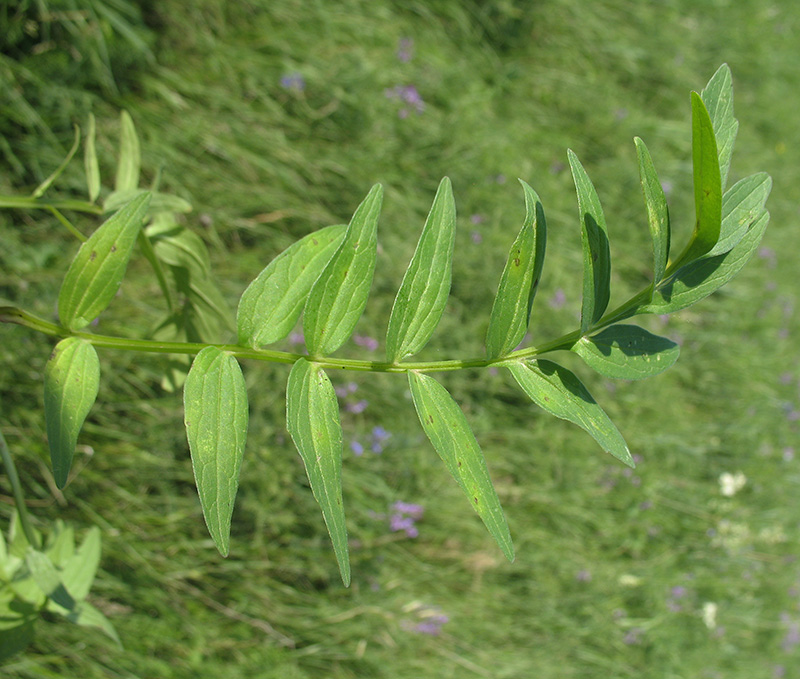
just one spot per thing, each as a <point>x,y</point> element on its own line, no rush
<point>613,567</point>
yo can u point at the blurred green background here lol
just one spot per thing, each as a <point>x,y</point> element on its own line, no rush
<point>273,119</point>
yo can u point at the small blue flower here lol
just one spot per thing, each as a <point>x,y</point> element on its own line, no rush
<point>293,82</point>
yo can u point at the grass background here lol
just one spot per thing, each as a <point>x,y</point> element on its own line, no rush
<point>613,567</point>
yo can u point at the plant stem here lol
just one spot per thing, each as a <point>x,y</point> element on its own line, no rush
<point>16,489</point>
<point>565,342</point>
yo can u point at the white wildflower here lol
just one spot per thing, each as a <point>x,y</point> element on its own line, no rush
<point>730,484</point>
<point>710,614</point>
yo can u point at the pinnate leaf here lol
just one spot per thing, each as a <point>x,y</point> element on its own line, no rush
<point>339,295</point>
<point>451,436</point>
<point>657,211</point>
<point>511,310</point>
<point>559,392</point>
<point>216,417</point>
<point>71,382</point>
<point>627,352</point>
<point>312,418</point>
<point>596,253</point>
<point>94,276</point>
<point>272,303</point>
<point>718,99</point>
<point>423,293</point>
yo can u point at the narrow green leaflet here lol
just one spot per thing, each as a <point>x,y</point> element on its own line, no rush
<point>130,156</point>
<point>700,278</point>
<point>718,98</point>
<point>707,184</point>
<point>559,392</point>
<point>159,202</point>
<point>657,210</point>
<point>627,352</point>
<point>71,382</point>
<point>596,253</point>
<point>423,293</point>
<point>215,415</point>
<point>96,273</point>
<point>511,310</point>
<point>272,303</point>
<point>339,295</point>
<point>312,418</point>
<point>741,205</point>
<point>451,436</point>
<point>86,615</point>
<point>79,570</point>
<point>39,190</point>
<point>91,166</point>
<point>47,578</point>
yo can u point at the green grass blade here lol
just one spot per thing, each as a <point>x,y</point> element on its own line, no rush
<point>272,303</point>
<point>216,417</point>
<point>559,392</point>
<point>312,418</point>
<point>700,278</point>
<point>339,295</point>
<point>741,205</point>
<point>71,382</point>
<point>707,185</point>
<point>91,166</point>
<point>657,210</point>
<point>423,293</point>
<point>451,436</point>
<point>130,156</point>
<point>596,253</point>
<point>627,352</point>
<point>718,99</point>
<point>511,310</point>
<point>97,271</point>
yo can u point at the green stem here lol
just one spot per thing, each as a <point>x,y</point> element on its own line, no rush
<point>565,342</point>
<point>16,489</point>
<point>30,203</point>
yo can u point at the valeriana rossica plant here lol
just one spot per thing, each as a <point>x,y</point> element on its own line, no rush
<point>326,278</point>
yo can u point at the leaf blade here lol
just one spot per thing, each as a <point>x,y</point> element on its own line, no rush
<point>707,185</point>
<point>272,303</point>
<point>705,275</point>
<point>216,419</point>
<point>717,96</point>
<point>312,418</point>
<point>741,205</point>
<point>338,297</point>
<point>94,276</point>
<point>130,155</point>
<point>657,210</point>
<point>71,383</point>
<point>627,352</point>
<point>449,432</point>
<point>558,391</point>
<point>596,253</point>
<point>423,293</point>
<point>91,166</point>
<point>511,310</point>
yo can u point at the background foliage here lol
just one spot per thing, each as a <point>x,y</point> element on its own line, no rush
<point>273,119</point>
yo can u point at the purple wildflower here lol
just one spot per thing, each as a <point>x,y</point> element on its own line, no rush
<point>558,299</point>
<point>583,575</point>
<point>357,407</point>
<point>476,237</point>
<point>405,50</point>
<point>296,338</point>
<point>476,219</point>
<point>413,510</point>
<point>404,518</point>
<point>406,94</point>
<point>369,343</point>
<point>379,437</point>
<point>293,82</point>
<point>634,636</point>
<point>357,448</point>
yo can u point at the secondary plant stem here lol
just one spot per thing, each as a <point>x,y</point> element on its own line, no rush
<point>16,489</point>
